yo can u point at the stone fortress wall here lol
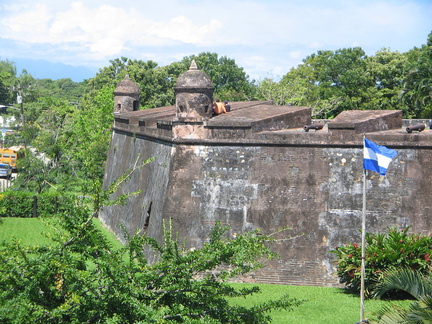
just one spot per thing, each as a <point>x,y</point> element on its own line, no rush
<point>257,167</point>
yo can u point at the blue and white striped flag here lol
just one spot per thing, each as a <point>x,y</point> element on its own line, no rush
<point>376,157</point>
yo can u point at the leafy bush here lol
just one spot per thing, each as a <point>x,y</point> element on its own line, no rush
<point>49,204</point>
<point>394,249</point>
<point>79,278</point>
<point>16,204</point>
<point>27,204</point>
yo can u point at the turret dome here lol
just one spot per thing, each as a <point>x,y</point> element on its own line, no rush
<point>127,86</point>
<point>194,79</point>
<point>194,95</point>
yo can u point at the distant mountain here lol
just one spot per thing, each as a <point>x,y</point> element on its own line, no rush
<point>41,69</point>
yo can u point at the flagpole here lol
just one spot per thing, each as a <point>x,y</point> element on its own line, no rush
<point>375,158</point>
<point>363,248</point>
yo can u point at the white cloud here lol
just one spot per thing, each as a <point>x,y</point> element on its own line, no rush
<point>27,25</point>
<point>105,30</point>
<point>184,30</point>
<point>263,36</point>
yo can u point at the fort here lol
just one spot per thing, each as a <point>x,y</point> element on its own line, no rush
<point>265,167</point>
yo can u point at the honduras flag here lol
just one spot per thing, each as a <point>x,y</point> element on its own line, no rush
<point>376,157</point>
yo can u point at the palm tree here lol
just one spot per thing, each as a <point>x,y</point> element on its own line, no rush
<point>415,284</point>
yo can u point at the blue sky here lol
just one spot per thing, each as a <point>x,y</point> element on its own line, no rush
<point>54,39</point>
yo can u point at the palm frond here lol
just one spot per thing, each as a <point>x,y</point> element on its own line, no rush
<point>407,280</point>
<point>392,315</point>
<point>414,283</point>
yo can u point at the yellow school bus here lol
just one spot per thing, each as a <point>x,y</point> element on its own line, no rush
<point>11,155</point>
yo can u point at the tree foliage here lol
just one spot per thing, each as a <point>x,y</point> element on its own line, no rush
<point>417,87</point>
<point>328,81</point>
<point>157,83</point>
<point>387,70</point>
<point>91,131</point>
<point>47,130</point>
<point>61,89</point>
<point>7,80</point>
<point>74,142</point>
<point>346,79</point>
<point>336,79</point>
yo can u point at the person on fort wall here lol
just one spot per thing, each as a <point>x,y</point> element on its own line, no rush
<point>221,108</point>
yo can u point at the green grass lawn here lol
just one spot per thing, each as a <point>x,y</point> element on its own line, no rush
<point>322,305</point>
<point>28,230</point>
<point>31,231</point>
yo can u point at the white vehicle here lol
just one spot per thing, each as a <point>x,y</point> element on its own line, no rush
<point>5,171</point>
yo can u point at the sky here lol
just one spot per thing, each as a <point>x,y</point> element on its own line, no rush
<point>74,39</point>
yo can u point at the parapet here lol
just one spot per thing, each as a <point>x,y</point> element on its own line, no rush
<point>242,123</point>
<point>348,124</point>
<point>257,117</point>
<point>262,123</point>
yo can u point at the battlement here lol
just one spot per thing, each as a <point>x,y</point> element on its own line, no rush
<point>264,123</point>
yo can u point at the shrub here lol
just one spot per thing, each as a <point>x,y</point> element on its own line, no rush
<point>49,204</point>
<point>79,278</point>
<point>394,249</point>
<point>27,204</point>
<point>17,204</point>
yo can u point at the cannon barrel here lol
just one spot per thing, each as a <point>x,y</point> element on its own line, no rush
<point>315,126</point>
<point>417,127</point>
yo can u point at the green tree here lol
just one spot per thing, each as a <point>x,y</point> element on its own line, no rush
<point>35,175</point>
<point>7,81</point>
<point>156,83</point>
<point>288,91</point>
<point>48,129</point>
<point>26,87</point>
<point>388,70</point>
<point>329,82</point>
<point>61,89</point>
<point>74,141</point>
<point>332,81</point>
<point>110,75</point>
<point>417,90</point>
<point>89,137</point>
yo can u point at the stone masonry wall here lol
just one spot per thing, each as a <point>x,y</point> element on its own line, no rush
<point>316,190</point>
<point>149,182</point>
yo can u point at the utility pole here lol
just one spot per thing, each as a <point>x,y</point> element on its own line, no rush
<point>20,102</point>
